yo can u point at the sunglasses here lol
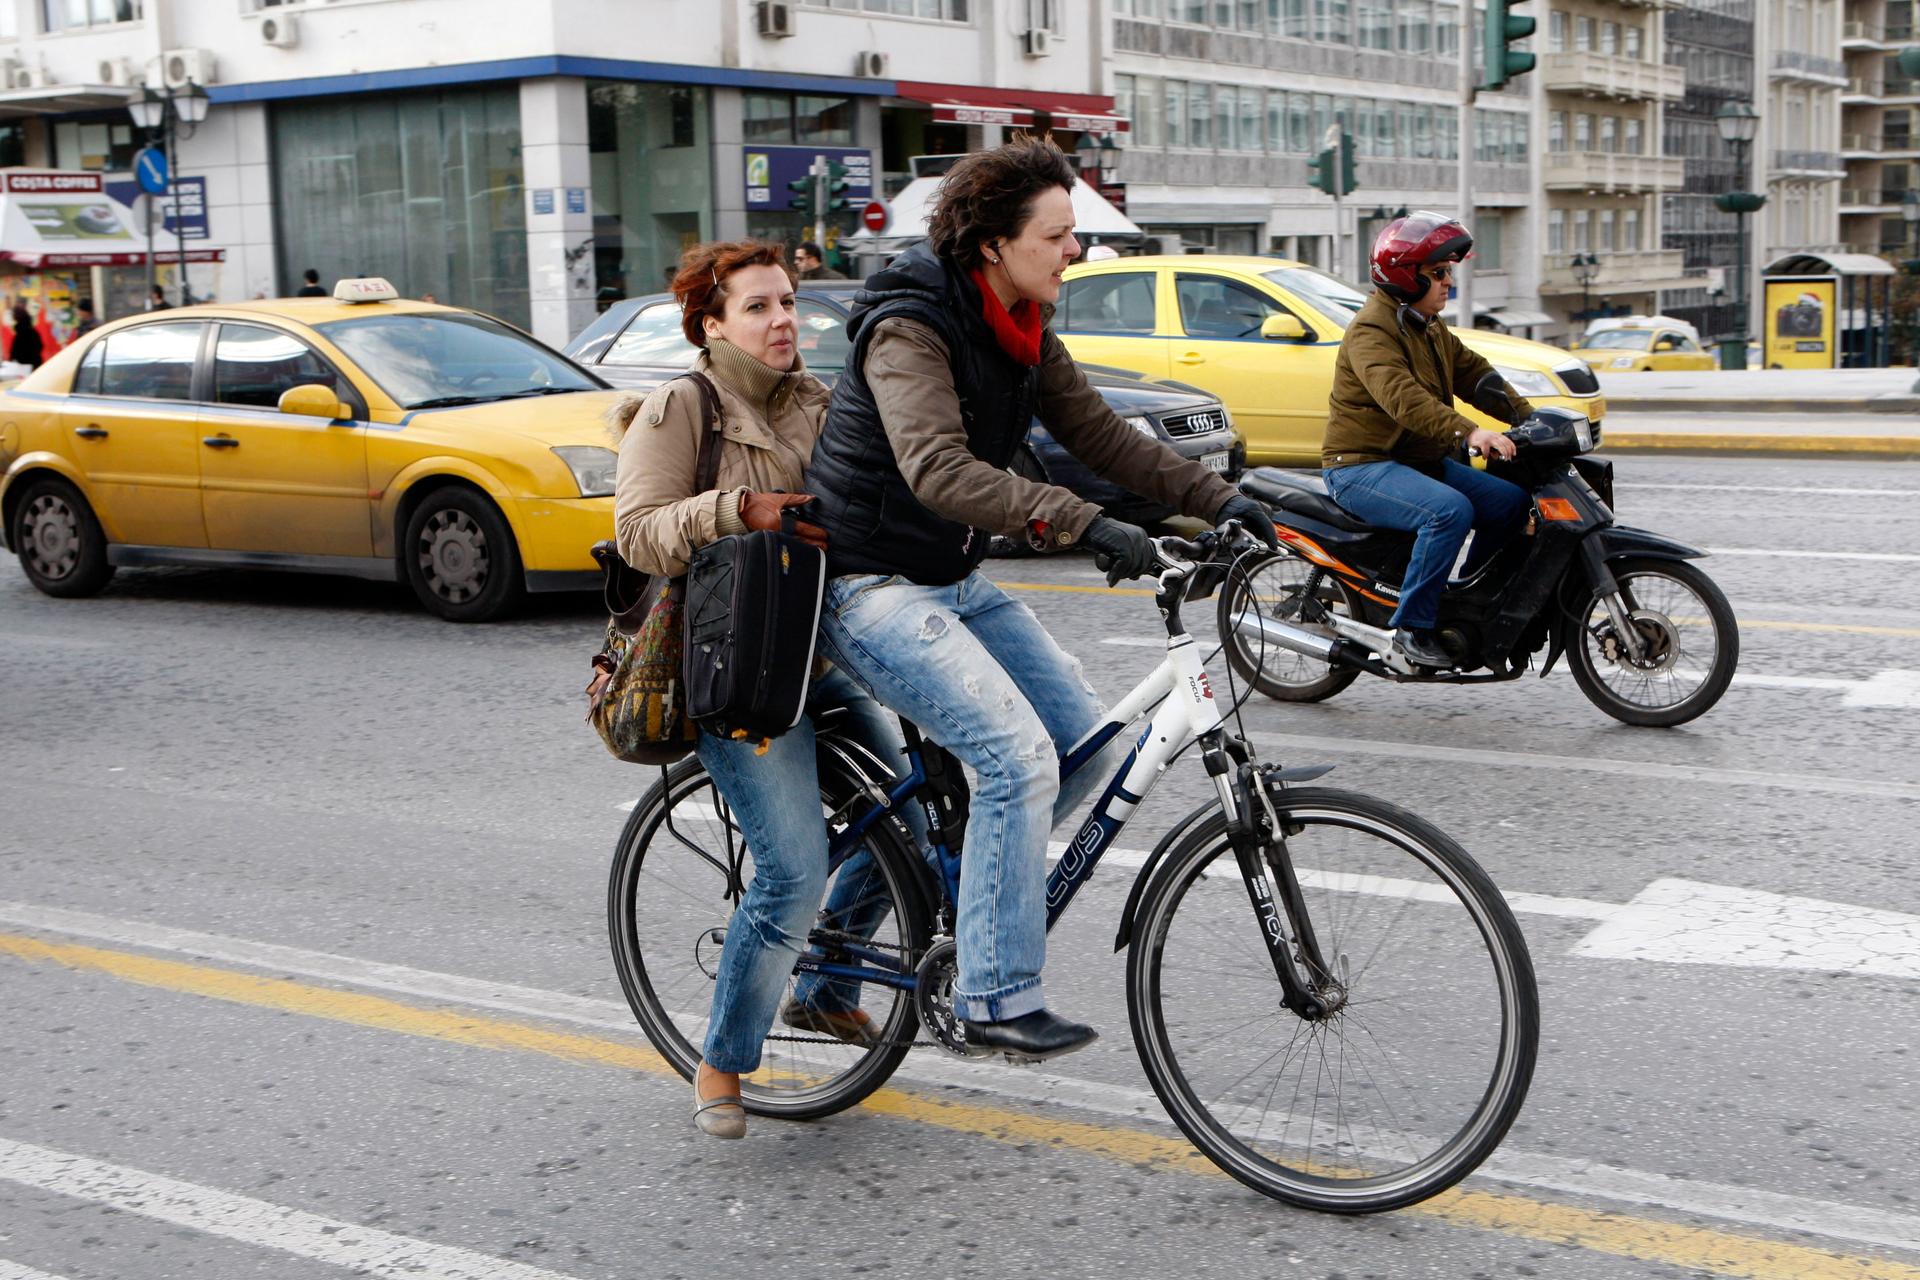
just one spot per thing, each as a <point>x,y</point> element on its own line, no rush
<point>1442,274</point>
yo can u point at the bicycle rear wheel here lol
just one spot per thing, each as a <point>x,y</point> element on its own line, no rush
<point>677,875</point>
<point>1414,1077</point>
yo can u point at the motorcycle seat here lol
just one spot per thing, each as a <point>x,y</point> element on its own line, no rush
<point>1303,493</point>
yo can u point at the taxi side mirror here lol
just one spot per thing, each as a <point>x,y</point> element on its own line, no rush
<point>312,400</point>
<point>1281,327</point>
<point>1665,344</point>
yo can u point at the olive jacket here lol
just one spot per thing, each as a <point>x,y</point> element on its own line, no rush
<point>770,422</point>
<point>1394,384</point>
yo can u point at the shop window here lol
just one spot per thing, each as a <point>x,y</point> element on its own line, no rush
<point>150,361</point>
<point>766,119</point>
<point>649,146</point>
<point>1115,304</point>
<point>821,121</point>
<point>96,145</point>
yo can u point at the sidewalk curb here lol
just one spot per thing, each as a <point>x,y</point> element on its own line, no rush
<point>1874,448</point>
<point>1670,404</point>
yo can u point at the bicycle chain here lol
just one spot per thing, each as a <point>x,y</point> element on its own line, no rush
<point>825,935</point>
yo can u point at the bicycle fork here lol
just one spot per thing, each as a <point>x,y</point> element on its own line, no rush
<point>1307,983</point>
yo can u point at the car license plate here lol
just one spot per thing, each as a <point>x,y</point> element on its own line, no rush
<point>1214,461</point>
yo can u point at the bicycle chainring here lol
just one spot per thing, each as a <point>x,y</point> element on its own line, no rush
<point>933,980</point>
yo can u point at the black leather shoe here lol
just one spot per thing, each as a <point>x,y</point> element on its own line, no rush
<point>1421,648</point>
<point>1031,1037</point>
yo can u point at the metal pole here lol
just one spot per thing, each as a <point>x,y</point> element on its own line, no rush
<point>1463,272</point>
<point>173,189</point>
<point>148,206</point>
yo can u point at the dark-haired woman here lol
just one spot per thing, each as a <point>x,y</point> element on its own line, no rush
<point>27,346</point>
<point>738,306</point>
<point>951,358</point>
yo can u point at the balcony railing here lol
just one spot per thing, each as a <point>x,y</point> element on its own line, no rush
<point>1865,87</point>
<point>1868,32</point>
<point>1808,161</point>
<point>1795,63</point>
<point>1867,198</point>
<point>1611,171</point>
<point>1606,75</point>
<point>1877,143</point>
<point>1620,272</point>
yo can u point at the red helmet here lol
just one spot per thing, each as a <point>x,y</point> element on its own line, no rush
<point>1418,240</point>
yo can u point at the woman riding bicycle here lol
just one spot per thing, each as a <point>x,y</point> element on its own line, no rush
<point>951,359</point>
<point>737,302</point>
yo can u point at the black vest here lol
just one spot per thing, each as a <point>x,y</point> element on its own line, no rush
<point>873,521</point>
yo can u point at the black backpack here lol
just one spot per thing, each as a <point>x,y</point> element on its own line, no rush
<point>753,611</point>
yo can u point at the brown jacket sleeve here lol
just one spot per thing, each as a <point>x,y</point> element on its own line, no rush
<point>658,519</point>
<point>1380,362</point>
<point>1469,366</point>
<point>1082,420</point>
<point>912,383</point>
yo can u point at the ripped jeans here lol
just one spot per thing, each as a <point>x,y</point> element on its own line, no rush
<point>980,676</point>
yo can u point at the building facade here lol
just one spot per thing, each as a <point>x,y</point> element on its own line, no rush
<point>1878,141</point>
<point>1712,42</point>
<point>1799,141</point>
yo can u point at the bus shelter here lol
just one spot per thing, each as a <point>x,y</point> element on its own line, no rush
<point>1828,311</point>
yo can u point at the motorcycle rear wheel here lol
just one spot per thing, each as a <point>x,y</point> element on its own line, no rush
<point>1691,640</point>
<point>1276,587</point>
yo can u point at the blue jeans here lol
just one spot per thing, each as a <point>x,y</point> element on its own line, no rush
<point>1439,513</point>
<point>980,676</point>
<point>775,801</point>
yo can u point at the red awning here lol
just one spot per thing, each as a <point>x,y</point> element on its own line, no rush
<point>44,261</point>
<point>978,104</point>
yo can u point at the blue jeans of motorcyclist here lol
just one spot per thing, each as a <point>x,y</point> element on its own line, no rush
<point>1439,513</point>
<point>979,674</point>
<point>774,798</point>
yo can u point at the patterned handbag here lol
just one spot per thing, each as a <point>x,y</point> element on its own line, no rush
<point>636,700</point>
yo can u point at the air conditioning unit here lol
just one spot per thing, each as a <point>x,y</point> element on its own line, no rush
<point>1036,42</point>
<point>871,65</point>
<point>119,72</point>
<point>776,18</point>
<point>177,66</point>
<point>281,30</point>
<point>22,75</point>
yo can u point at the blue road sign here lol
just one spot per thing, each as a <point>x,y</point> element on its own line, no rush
<point>150,170</point>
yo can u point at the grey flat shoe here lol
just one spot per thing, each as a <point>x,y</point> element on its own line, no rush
<point>721,1117</point>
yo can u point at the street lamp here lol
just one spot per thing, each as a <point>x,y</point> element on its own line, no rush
<point>1586,269</point>
<point>172,114</point>
<point>1738,123</point>
<point>1098,156</point>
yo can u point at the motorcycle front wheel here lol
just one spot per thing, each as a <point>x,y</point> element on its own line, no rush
<point>1690,645</point>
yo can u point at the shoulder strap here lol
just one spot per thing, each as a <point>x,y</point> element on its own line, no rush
<point>706,469</point>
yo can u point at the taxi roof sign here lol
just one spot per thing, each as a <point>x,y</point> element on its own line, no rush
<point>365,289</point>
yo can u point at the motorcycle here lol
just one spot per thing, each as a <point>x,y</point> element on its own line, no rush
<point>1649,637</point>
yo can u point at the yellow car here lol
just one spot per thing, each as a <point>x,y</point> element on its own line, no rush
<point>1637,350</point>
<point>1262,334</point>
<point>358,435</point>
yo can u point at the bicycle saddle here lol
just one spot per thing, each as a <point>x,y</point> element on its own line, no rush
<point>1304,494</point>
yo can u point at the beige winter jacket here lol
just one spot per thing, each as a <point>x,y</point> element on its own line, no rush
<point>770,421</point>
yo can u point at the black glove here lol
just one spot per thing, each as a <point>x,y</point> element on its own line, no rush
<point>1122,549</point>
<point>1252,516</point>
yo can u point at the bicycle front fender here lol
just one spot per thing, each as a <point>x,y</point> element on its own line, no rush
<point>1174,834</point>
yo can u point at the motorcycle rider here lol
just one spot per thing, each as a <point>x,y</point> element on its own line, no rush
<point>1392,429</point>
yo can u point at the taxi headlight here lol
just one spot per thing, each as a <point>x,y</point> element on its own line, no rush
<point>1529,382</point>
<point>592,467</point>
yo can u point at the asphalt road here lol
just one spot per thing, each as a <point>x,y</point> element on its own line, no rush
<point>303,968</point>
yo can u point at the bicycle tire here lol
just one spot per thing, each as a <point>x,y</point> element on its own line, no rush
<point>822,1076</point>
<point>1356,1173</point>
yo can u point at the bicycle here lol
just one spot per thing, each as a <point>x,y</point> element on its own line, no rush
<point>1329,996</point>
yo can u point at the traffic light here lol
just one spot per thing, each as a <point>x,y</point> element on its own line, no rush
<point>1320,172</point>
<point>836,186</point>
<point>1503,62</point>
<point>801,201</point>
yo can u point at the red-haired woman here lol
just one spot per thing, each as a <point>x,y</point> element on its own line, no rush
<point>738,307</point>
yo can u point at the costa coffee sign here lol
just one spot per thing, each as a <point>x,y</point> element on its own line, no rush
<point>54,183</point>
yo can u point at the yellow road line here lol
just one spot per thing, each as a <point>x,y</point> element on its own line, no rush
<point>1620,1235</point>
<point>1841,628</point>
<point>1627,441</point>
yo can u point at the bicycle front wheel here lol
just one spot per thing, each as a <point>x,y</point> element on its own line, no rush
<point>677,875</point>
<point>1412,1079</point>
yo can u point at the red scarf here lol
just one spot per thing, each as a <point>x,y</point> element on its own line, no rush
<point>1018,331</point>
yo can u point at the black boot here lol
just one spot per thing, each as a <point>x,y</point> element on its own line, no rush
<point>1031,1037</point>
<point>1421,647</point>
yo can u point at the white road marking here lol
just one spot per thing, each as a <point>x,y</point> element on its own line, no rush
<point>1685,922</point>
<point>14,1271</point>
<point>365,1250</point>
<point>1902,557</point>
<point>1887,689</point>
<point>1638,485</point>
<point>1766,1209</point>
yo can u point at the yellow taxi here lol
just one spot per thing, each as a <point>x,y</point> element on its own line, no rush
<point>358,434</point>
<point>1262,334</point>
<point>1638,349</point>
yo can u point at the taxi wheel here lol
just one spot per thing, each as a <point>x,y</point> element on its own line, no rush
<point>460,557</point>
<point>62,547</point>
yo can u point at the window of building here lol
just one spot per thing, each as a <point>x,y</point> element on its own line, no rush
<point>1604,236</point>
<point>1557,31</point>
<point>1376,24</point>
<point>93,144</point>
<point>1117,303</point>
<point>1251,135</point>
<point>1582,231</point>
<point>78,15</point>
<point>1415,19</point>
<point>1332,21</point>
<point>1176,123</point>
<point>1557,131</point>
<point>1582,131</point>
<point>1277,120</point>
<point>1630,230</point>
<point>1446,30</point>
<point>1630,46</point>
<point>1487,252</point>
<point>1247,15</point>
<point>1609,133</point>
<point>1446,133</point>
<point>426,189</point>
<point>780,119</point>
<point>1299,123</point>
<point>1610,38</point>
<point>1225,102</point>
<point>1148,106</point>
<point>1583,34</point>
<point>1123,102</point>
<point>1423,131</point>
<point>1194,11</point>
<point>1292,18</point>
<point>1386,138</point>
<point>1633,143</point>
<point>944,10</point>
<point>1556,231</point>
<point>766,119</point>
<point>649,146</point>
<point>1199,116</point>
